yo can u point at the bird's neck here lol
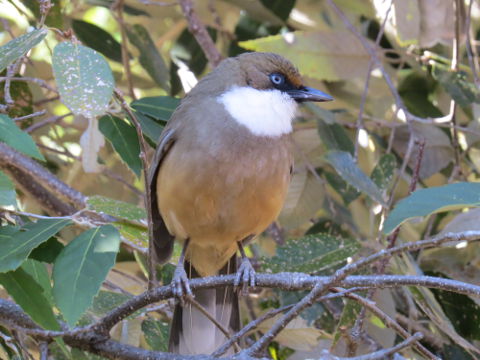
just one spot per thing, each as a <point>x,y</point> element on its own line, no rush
<point>266,113</point>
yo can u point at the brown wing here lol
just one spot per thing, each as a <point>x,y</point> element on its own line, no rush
<point>162,239</point>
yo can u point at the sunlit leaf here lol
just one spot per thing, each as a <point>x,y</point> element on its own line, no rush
<point>315,253</point>
<point>433,200</point>
<point>11,135</point>
<point>19,46</point>
<point>116,208</point>
<point>345,165</point>
<point>84,79</point>
<point>81,268</point>
<point>16,244</point>
<point>325,55</point>
<point>124,140</point>
<point>29,295</point>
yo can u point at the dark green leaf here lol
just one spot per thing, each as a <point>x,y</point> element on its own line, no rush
<point>81,268</point>
<point>433,200</point>
<point>29,295</point>
<point>150,128</point>
<point>116,208</point>
<point>23,101</point>
<point>150,58</point>
<point>84,79</point>
<point>345,165</point>
<point>382,174</point>
<point>124,140</point>
<point>281,8</point>
<point>346,191</point>
<point>156,334</point>
<point>334,137</point>
<point>415,90</point>
<point>19,46</point>
<point>8,196</point>
<point>457,85</point>
<point>48,251</point>
<point>15,247</point>
<point>160,108</point>
<point>136,234</point>
<point>311,254</point>
<point>11,135</point>
<point>38,271</point>
<point>98,39</point>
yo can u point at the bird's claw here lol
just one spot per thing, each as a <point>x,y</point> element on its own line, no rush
<point>245,276</point>
<point>181,286</point>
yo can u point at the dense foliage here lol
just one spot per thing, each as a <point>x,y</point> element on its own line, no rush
<point>393,160</point>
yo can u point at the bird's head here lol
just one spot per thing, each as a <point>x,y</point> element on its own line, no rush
<point>259,91</point>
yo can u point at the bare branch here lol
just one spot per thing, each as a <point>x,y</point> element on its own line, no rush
<point>200,33</point>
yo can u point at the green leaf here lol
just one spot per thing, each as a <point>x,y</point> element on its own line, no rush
<point>281,8</point>
<point>134,233</point>
<point>311,254</point>
<point>149,58</point>
<point>457,85</point>
<point>382,174</point>
<point>48,251</point>
<point>455,307</point>
<point>84,79</point>
<point>38,271</point>
<point>433,200</point>
<point>19,46</point>
<point>106,301</point>
<point>11,135</point>
<point>81,268</point>
<point>16,245</point>
<point>8,196</point>
<point>321,56</point>
<point>124,140</point>
<point>116,208</point>
<point>150,128</point>
<point>160,108</point>
<point>29,295</point>
<point>22,101</point>
<point>345,165</point>
<point>349,315</point>
<point>156,334</point>
<point>346,191</point>
<point>335,137</point>
<point>98,39</point>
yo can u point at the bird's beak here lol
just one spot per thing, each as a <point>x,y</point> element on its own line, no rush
<point>308,94</point>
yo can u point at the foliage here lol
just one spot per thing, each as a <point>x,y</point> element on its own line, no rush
<point>397,149</point>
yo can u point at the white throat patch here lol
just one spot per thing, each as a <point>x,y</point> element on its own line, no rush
<point>262,112</point>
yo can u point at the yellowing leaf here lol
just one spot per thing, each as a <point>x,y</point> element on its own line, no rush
<point>324,55</point>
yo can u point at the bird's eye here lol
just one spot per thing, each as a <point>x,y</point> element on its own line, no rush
<point>277,79</point>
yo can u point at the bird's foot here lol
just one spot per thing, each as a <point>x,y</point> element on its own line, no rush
<point>245,276</point>
<point>180,285</point>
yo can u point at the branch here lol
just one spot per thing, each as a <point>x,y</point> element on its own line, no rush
<point>198,30</point>
<point>27,169</point>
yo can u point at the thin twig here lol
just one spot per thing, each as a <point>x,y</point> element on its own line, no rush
<point>29,116</point>
<point>199,31</point>
<point>152,274</point>
<point>117,9</point>
<point>371,64</point>
<point>39,82</point>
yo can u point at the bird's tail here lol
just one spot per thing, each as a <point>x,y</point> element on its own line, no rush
<point>192,332</point>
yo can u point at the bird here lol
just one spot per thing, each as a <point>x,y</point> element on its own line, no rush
<point>218,179</point>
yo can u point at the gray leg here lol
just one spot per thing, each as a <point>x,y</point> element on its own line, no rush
<point>180,286</point>
<point>246,272</point>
